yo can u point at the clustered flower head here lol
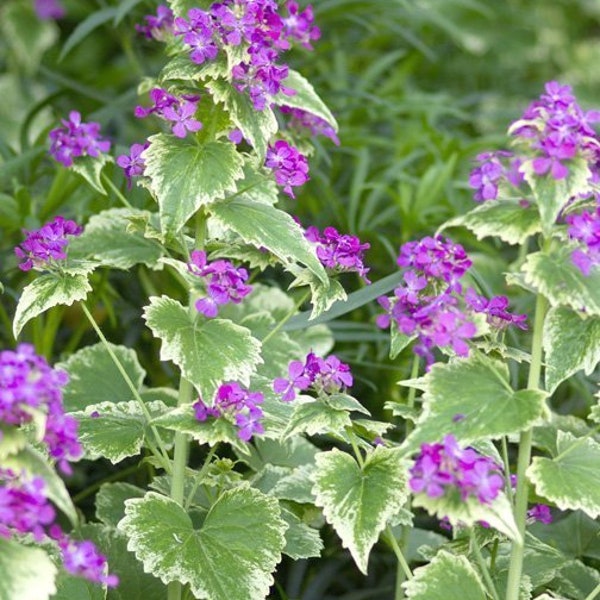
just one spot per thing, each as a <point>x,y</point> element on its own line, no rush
<point>427,305</point>
<point>75,139</point>
<point>232,400</point>
<point>157,26</point>
<point>585,229</point>
<point>302,119</point>
<point>180,111</point>
<point>49,9</point>
<point>28,385</point>
<point>441,470</point>
<point>289,166</point>
<point>133,163</point>
<point>224,282</point>
<point>42,247</point>
<point>341,253</point>
<point>492,170</point>
<point>323,375</point>
<point>256,24</point>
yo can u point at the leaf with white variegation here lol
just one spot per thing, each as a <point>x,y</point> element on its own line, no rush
<point>265,226</point>
<point>554,275</point>
<point>90,168</point>
<point>552,194</point>
<point>322,295</point>
<point>317,417</point>
<point>184,176</point>
<point>472,399</point>
<point>48,290</point>
<point>229,557</point>
<point>94,377</point>
<point>301,540</point>
<point>571,479</point>
<point>26,573</point>
<point>571,344</point>
<point>446,577</point>
<point>359,501</point>
<point>208,351</point>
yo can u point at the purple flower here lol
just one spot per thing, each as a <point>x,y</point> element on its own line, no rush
<point>541,513</point>
<point>158,26</point>
<point>75,139</point>
<point>133,164</point>
<point>491,172</point>
<point>584,228</point>
<point>302,119</point>
<point>297,379</point>
<point>49,9</point>
<point>224,283</point>
<point>298,26</point>
<point>183,117</point>
<point>45,245</point>
<point>495,310</point>
<point>289,166</point>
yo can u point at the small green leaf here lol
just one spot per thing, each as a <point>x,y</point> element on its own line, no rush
<point>571,343</point>
<point>229,557</point>
<point>86,26</point>
<point>359,501</point>
<point>69,587</point>
<point>110,501</point>
<point>266,226</point>
<point>208,351</point>
<point>26,573</point>
<point>572,479</point>
<point>94,377</point>
<point>47,291</point>
<point>554,275</point>
<point>285,483</point>
<point>505,219</point>
<point>90,168</point>
<point>446,577</point>
<point>398,340</point>
<point>317,417</point>
<point>108,239</point>
<point>185,176</point>
<point>472,399</point>
<point>301,541</point>
<point>324,295</point>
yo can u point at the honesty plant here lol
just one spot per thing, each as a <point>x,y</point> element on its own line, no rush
<point>253,429</point>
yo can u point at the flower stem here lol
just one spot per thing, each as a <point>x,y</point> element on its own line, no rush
<point>482,566</point>
<point>200,476</point>
<point>285,319</point>
<point>525,443</point>
<point>115,189</point>
<point>399,556</point>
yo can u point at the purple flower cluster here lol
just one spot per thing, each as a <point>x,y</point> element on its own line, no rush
<point>45,245</point>
<point>585,229</point>
<point>302,119</point>
<point>49,9</point>
<point>257,25</point>
<point>233,400</point>
<point>444,469</point>
<point>289,166</point>
<point>557,129</point>
<point>224,282</point>
<point>29,385</point>
<point>328,375</point>
<point>157,26</point>
<point>427,304</point>
<point>493,169</point>
<point>341,253</point>
<point>133,163</point>
<point>76,139</point>
<point>180,111</point>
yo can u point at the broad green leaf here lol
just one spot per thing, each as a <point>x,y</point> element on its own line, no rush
<point>359,501</point>
<point>577,580</point>
<point>472,399</point>
<point>257,126</point>
<point>470,511</point>
<point>571,343</point>
<point>317,417</point>
<point>552,195</point>
<point>229,557</point>
<point>182,68</point>
<point>554,275</point>
<point>446,577</point>
<point>47,291</point>
<point>305,98</point>
<point>86,26</point>
<point>184,176</point>
<point>25,573</point>
<point>69,587</point>
<point>323,295</point>
<point>90,169</point>
<point>571,479</point>
<point>110,501</point>
<point>544,436</point>
<point>508,220</point>
<point>108,239</point>
<point>301,540</point>
<point>208,351</point>
<point>291,453</point>
<point>114,430</point>
<point>266,226</point>
<point>285,483</point>
<point>33,462</point>
<point>94,378</point>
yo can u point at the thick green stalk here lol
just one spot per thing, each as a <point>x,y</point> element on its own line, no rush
<point>533,382</point>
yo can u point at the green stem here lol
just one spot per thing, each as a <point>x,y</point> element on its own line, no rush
<point>398,552</point>
<point>525,443</point>
<point>117,192</point>
<point>412,391</point>
<point>200,476</point>
<point>482,566</point>
<point>508,486</point>
<point>355,448</point>
<point>160,452</point>
<point>593,593</point>
<point>287,317</point>
<point>88,491</point>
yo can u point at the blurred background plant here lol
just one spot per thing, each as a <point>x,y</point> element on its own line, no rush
<point>418,88</point>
